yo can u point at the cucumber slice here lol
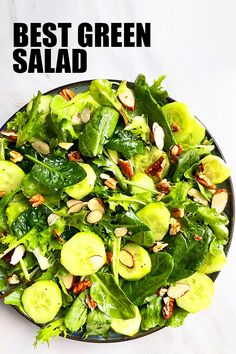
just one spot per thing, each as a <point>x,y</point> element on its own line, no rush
<point>215,169</point>
<point>127,327</point>
<point>11,176</point>
<point>42,301</point>
<point>143,161</point>
<point>135,262</point>
<point>83,188</point>
<point>213,263</point>
<point>157,217</point>
<point>143,180</point>
<point>201,293</point>
<point>83,254</point>
<point>197,135</point>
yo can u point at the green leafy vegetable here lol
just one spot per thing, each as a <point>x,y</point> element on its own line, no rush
<point>53,329</point>
<point>139,127</point>
<point>151,313</point>
<point>157,91</point>
<point>14,298</point>
<point>77,314</point>
<point>131,221</point>
<point>98,324</point>
<point>178,318</point>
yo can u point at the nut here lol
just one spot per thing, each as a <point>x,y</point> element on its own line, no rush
<point>161,292</point>
<point>52,219</point>
<point>2,193</point>
<point>164,186</point>
<point>159,196</point>
<point>10,135</point>
<point>126,258</point>
<point>167,310</point>
<point>175,127</point>
<point>91,303</point>
<point>96,204</point>
<point>85,115</point>
<point>17,254</point>
<point>15,156</point>
<point>178,290</point>
<point>81,286</point>
<point>36,200</point>
<point>178,212</point>
<point>72,202</point>
<point>94,216</point>
<point>197,238</point>
<point>202,179</point>
<point>66,146</point>
<point>76,207</point>
<point>175,151</point>
<point>126,168</point>
<point>197,196</point>
<point>219,200</point>
<point>105,176</point>
<point>67,280</point>
<point>158,134</point>
<point>74,156</point>
<point>111,183</point>
<point>157,167</point>
<point>60,239</point>
<point>67,94</point>
<point>76,120</point>
<point>109,257</point>
<point>97,261</point>
<point>41,147</point>
<point>159,246</point>
<point>13,279</point>
<point>175,226</point>
<point>120,231</point>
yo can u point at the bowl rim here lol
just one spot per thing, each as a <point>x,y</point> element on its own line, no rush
<point>231,203</point>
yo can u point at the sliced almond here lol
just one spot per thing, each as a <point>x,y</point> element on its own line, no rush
<point>127,99</point>
<point>52,219</point>
<point>76,119</point>
<point>162,291</point>
<point>67,280</point>
<point>17,254</point>
<point>41,147</point>
<point>42,260</point>
<point>66,146</point>
<point>94,216</point>
<point>96,204</point>
<point>15,156</point>
<point>97,261</point>
<point>85,115</point>
<point>178,290</point>
<point>126,258</point>
<point>76,208</point>
<point>120,231</point>
<point>105,176</point>
<point>72,202</point>
<point>219,200</point>
<point>159,135</point>
<point>197,196</point>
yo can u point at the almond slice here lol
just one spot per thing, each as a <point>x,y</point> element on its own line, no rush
<point>13,279</point>
<point>41,147</point>
<point>219,200</point>
<point>52,219</point>
<point>17,254</point>
<point>96,204</point>
<point>76,119</point>
<point>66,146</point>
<point>126,258</point>
<point>72,202</point>
<point>67,280</point>
<point>97,261</point>
<point>178,290</point>
<point>159,135</point>
<point>127,99</point>
<point>76,207</point>
<point>120,231</point>
<point>197,196</point>
<point>85,115</point>
<point>105,176</point>
<point>94,216</point>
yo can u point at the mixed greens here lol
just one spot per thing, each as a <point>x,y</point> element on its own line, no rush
<point>111,211</point>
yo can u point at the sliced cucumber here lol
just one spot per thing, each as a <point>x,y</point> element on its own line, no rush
<point>213,263</point>
<point>197,135</point>
<point>201,293</point>
<point>135,262</point>
<point>42,301</point>
<point>83,254</point>
<point>11,176</point>
<point>157,217</point>
<point>143,180</point>
<point>127,327</point>
<point>83,188</point>
<point>215,169</point>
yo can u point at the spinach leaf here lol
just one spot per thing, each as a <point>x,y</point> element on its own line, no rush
<point>126,143</point>
<point>14,298</point>
<point>151,313</point>
<point>96,132</point>
<point>138,291</point>
<point>152,109</point>
<point>53,329</point>
<point>131,221</point>
<point>185,161</point>
<point>56,173</point>
<point>188,252</point>
<point>178,194</point>
<point>178,317</point>
<point>98,324</point>
<point>110,298</point>
<point>77,314</point>
<point>157,91</point>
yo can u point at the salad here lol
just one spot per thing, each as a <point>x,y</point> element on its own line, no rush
<point>111,211</point>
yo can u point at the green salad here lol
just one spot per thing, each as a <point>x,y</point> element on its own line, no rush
<point>111,211</point>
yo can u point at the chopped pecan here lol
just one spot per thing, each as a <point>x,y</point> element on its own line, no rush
<point>13,279</point>
<point>167,310</point>
<point>175,127</point>
<point>15,156</point>
<point>2,193</point>
<point>197,238</point>
<point>37,200</point>
<point>74,156</point>
<point>111,183</point>
<point>178,212</point>
<point>157,167</point>
<point>81,286</point>
<point>159,246</point>
<point>161,292</point>
<point>8,256</point>
<point>202,179</point>
<point>126,168</point>
<point>109,257</point>
<point>67,94</point>
<point>90,302</point>
<point>57,235</point>
<point>164,186</point>
<point>175,151</point>
<point>10,135</point>
<point>175,226</point>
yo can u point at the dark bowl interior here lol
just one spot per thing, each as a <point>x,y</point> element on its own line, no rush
<point>114,337</point>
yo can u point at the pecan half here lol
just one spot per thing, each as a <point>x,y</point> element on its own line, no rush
<point>175,127</point>
<point>159,246</point>
<point>126,168</point>
<point>13,279</point>
<point>67,94</point>
<point>164,186</point>
<point>175,151</point>
<point>74,156</point>
<point>109,257</point>
<point>90,302</point>
<point>167,310</point>
<point>81,286</point>
<point>15,156</point>
<point>202,179</point>
<point>157,167</point>
<point>2,193</point>
<point>111,183</point>
<point>10,135</point>
<point>175,226</point>
<point>37,200</point>
<point>178,212</point>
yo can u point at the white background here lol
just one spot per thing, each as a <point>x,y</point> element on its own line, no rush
<point>194,43</point>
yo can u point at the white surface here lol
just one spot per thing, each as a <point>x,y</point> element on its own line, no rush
<point>194,42</point>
